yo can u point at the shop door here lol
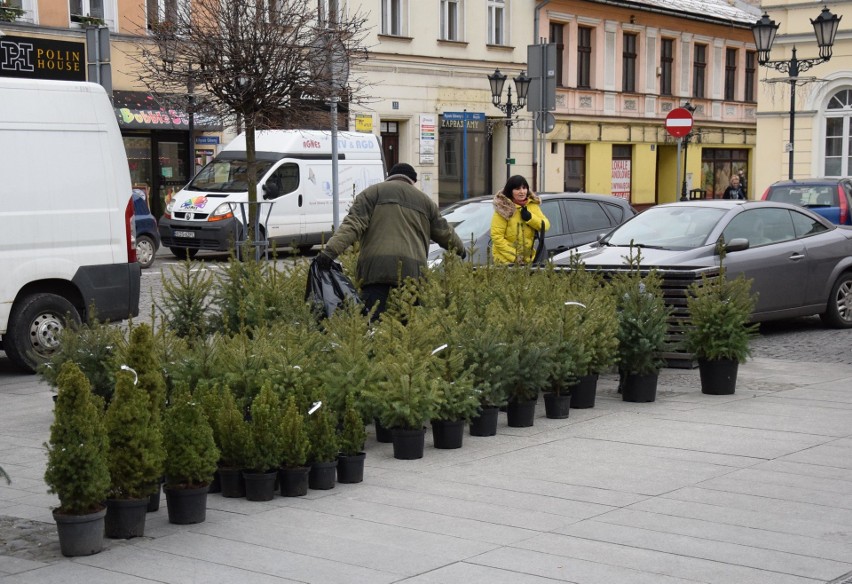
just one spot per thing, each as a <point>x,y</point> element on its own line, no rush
<point>390,144</point>
<point>171,166</point>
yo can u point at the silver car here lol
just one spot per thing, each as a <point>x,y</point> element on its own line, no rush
<point>575,219</point>
<point>800,263</point>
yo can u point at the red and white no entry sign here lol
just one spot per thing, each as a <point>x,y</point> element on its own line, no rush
<point>679,122</point>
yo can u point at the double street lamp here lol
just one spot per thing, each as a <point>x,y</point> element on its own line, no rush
<point>764,30</point>
<point>522,86</point>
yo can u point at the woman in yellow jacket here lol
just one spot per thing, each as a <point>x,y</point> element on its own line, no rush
<point>517,218</point>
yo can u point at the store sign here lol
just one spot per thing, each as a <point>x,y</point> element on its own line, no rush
<point>427,139</point>
<point>621,178</point>
<point>364,123</point>
<point>35,58</point>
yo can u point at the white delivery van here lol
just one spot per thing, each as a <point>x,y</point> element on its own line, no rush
<point>66,215</point>
<point>294,188</point>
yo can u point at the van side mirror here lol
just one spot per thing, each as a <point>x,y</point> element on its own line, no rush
<point>271,191</point>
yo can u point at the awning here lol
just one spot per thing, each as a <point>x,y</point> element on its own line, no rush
<point>139,110</point>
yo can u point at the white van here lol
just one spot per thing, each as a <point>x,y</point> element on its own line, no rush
<point>66,215</point>
<point>294,179</point>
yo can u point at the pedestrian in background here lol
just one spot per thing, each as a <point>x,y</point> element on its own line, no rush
<point>735,191</point>
<point>394,222</point>
<point>743,182</point>
<point>517,217</point>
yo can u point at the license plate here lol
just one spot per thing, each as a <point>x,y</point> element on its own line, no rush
<point>187,234</point>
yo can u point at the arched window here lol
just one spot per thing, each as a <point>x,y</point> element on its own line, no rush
<point>838,154</point>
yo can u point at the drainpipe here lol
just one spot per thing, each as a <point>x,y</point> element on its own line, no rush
<point>539,5</point>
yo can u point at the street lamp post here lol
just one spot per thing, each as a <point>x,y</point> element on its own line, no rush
<point>764,30</point>
<point>522,85</point>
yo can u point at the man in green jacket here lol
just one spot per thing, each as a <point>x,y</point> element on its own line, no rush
<point>394,221</point>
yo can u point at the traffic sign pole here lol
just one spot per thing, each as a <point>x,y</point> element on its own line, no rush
<point>679,124</point>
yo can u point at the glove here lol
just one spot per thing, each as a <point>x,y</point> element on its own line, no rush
<point>323,260</point>
<point>525,214</point>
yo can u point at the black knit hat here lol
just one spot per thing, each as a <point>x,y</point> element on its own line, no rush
<point>404,169</point>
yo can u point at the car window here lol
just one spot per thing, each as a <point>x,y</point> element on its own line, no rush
<point>792,195</point>
<point>285,178</point>
<point>139,206</point>
<point>805,225</point>
<point>616,212</point>
<point>470,220</point>
<point>822,196</point>
<point>761,226</point>
<point>677,227</point>
<point>587,216</point>
<point>554,215</point>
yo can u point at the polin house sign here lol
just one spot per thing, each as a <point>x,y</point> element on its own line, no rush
<point>36,58</point>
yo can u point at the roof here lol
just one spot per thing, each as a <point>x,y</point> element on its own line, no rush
<point>736,11</point>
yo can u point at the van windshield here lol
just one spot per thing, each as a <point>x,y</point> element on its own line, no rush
<point>226,176</point>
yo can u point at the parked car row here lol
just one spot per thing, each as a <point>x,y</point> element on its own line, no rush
<point>799,262</point>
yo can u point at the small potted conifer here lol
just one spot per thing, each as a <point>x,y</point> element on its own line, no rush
<point>265,445</point>
<point>77,469</point>
<point>136,457</point>
<point>294,457</point>
<point>324,448</point>
<point>234,442</point>
<point>719,330</point>
<point>191,456</point>
<point>350,461</point>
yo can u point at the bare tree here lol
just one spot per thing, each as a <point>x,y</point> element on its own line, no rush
<point>266,63</point>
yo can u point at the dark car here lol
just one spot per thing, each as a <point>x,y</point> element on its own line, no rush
<point>829,197</point>
<point>575,219</point>
<point>147,236</point>
<point>799,262</point>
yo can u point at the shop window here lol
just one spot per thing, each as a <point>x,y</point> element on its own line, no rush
<point>621,182</point>
<point>718,165</point>
<point>575,168</point>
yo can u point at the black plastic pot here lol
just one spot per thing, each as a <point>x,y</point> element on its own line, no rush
<point>260,486</point>
<point>718,376</point>
<point>80,535</point>
<point>557,406</point>
<point>520,414</point>
<point>125,518</point>
<point>187,506</point>
<point>323,475</point>
<point>294,481</point>
<point>640,387</point>
<point>350,469</point>
<point>382,434</point>
<point>485,424</point>
<point>231,483</point>
<point>408,444</point>
<point>584,392</point>
<point>448,434</point>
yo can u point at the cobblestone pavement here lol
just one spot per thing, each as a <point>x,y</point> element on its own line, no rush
<point>803,339</point>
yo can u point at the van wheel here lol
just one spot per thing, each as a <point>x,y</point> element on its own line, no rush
<point>184,253</point>
<point>838,313</point>
<point>35,326</point>
<point>145,250</point>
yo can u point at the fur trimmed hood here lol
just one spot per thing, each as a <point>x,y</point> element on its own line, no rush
<point>505,206</point>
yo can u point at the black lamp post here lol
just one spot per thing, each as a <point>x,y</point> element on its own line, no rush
<point>825,28</point>
<point>522,85</point>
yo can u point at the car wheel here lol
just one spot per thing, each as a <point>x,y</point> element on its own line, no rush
<point>35,325</point>
<point>184,253</point>
<point>838,312</point>
<point>145,250</point>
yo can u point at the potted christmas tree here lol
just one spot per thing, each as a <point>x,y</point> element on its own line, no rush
<point>191,457</point>
<point>323,446</point>
<point>719,331</point>
<point>136,457</point>
<point>642,327</point>
<point>350,461</point>
<point>265,446</point>
<point>77,469</point>
<point>234,441</point>
<point>294,457</point>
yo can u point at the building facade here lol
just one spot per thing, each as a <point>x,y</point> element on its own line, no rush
<point>823,111</point>
<point>47,39</point>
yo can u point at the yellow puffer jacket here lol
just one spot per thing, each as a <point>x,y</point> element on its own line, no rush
<point>512,238</point>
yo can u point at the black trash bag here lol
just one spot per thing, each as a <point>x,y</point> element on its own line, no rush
<point>328,289</point>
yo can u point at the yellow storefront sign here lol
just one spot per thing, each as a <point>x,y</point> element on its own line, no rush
<point>364,123</point>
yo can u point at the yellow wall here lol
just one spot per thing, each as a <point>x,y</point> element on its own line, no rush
<point>643,175</point>
<point>599,168</point>
<point>668,189</point>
